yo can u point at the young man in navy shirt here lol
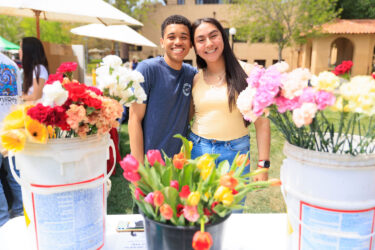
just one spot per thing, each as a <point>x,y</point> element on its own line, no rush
<point>168,83</point>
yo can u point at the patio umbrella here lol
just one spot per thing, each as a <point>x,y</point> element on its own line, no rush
<point>119,33</point>
<point>80,11</point>
<point>6,45</point>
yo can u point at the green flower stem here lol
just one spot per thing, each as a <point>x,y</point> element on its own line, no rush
<point>202,224</point>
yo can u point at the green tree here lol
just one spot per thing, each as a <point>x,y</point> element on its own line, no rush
<point>360,9</point>
<point>50,31</point>
<point>10,28</point>
<point>283,21</point>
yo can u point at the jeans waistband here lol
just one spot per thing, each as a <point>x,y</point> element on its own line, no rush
<point>214,141</point>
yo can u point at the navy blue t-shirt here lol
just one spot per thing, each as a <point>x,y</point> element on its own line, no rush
<point>168,101</point>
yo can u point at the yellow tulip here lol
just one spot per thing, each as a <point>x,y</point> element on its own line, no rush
<point>14,120</point>
<point>13,140</point>
<point>190,145</point>
<point>227,198</point>
<point>194,198</point>
<point>206,171</point>
<point>205,161</point>
<point>220,191</point>
<point>36,131</point>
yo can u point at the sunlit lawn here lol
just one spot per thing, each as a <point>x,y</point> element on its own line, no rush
<point>264,201</point>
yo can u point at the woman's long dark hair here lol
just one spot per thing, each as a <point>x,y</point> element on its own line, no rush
<point>32,55</point>
<point>235,75</point>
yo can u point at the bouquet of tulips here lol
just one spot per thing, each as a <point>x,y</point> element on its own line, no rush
<point>188,192</point>
<point>314,112</point>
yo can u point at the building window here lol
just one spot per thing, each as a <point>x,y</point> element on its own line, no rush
<point>212,1</point>
<point>135,48</point>
<point>260,62</point>
<point>181,2</point>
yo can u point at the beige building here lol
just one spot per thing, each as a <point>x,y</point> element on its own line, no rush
<point>355,43</point>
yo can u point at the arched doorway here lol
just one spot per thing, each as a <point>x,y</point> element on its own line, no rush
<point>341,50</point>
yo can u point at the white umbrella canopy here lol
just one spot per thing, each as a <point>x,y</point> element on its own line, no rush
<point>119,33</point>
<point>81,11</point>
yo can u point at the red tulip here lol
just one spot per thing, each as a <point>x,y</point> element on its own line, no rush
<point>185,191</point>
<point>213,205</point>
<point>153,155</point>
<point>130,166</point>
<point>179,160</point>
<point>158,198</point>
<point>180,209</point>
<point>202,241</point>
<point>174,184</point>
<point>138,192</point>
<point>166,211</point>
<point>129,163</point>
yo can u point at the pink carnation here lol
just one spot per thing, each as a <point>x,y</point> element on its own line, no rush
<point>284,104</point>
<point>76,114</point>
<point>254,76</point>
<point>324,99</point>
<point>308,95</point>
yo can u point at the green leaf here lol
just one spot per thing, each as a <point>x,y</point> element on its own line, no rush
<point>186,175</point>
<point>185,146</point>
<point>166,177</point>
<point>223,167</point>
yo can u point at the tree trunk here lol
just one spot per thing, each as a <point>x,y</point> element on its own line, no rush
<point>124,51</point>
<point>280,53</point>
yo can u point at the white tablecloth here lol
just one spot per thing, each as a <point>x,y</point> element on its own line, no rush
<point>242,232</point>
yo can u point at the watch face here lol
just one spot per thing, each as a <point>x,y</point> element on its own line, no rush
<point>267,164</point>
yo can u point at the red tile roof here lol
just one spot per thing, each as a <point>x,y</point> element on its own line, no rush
<point>353,26</point>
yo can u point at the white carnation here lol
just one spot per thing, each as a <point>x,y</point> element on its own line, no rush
<point>112,61</point>
<point>54,94</point>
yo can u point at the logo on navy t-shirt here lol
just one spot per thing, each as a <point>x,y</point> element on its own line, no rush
<point>186,89</point>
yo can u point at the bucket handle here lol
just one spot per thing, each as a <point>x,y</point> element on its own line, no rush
<point>23,182</point>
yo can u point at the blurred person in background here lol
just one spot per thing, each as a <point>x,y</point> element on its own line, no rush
<point>35,68</point>
<point>10,90</point>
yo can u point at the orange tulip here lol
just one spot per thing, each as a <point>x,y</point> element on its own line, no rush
<point>228,180</point>
<point>241,159</point>
<point>274,182</point>
<point>158,198</point>
<point>179,160</point>
<point>166,211</point>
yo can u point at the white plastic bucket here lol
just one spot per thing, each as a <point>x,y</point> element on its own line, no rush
<point>64,191</point>
<point>330,199</point>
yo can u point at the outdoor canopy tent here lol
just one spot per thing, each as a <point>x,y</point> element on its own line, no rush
<point>80,11</point>
<point>6,45</point>
<point>119,33</point>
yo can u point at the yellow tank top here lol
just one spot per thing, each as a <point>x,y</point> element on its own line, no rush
<point>213,120</point>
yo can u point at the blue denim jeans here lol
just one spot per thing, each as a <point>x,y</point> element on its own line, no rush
<point>15,188</point>
<point>226,149</point>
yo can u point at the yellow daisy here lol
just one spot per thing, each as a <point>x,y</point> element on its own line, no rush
<point>14,120</point>
<point>36,131</point>
<point>13,140</point>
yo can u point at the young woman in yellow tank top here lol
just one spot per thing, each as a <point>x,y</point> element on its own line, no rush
<point>218,126</point>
